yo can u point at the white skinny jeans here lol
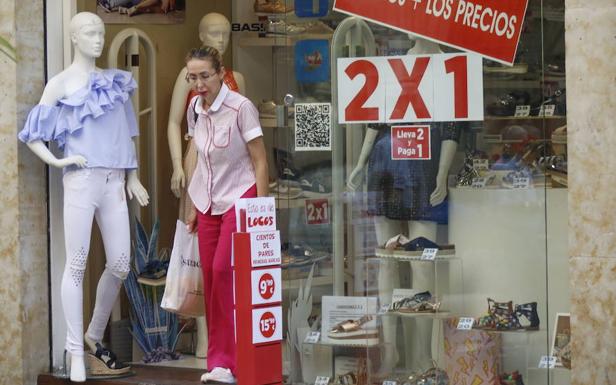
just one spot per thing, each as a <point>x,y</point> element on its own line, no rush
<point>93,193</point>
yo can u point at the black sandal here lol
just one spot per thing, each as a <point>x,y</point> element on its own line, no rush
<point>105,363</point>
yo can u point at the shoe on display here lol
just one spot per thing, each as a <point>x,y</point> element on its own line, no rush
<point>280,27</point>
<point>289,178</point>
<point>218,376</point>
<point>513,378</point>
<point>510,178</point>
<point>313,189</point>
<point>422,302</point>
<point>354,330</point>
<point>432,376</point>
<point>505,104</point>
<point>272,6</point>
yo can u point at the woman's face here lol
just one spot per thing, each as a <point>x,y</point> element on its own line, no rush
<point>204,79</point>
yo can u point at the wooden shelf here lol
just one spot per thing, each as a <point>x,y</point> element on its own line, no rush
<point>280,41</point>
<point>489,117</point>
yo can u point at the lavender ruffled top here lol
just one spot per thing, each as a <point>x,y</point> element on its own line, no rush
<point>96,122</point>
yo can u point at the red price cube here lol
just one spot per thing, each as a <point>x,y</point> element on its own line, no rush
<point>317,211</point>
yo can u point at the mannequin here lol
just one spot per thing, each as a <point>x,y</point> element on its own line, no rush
<point>88,112</point>
<point>422,274</point>
<point>214,30</point>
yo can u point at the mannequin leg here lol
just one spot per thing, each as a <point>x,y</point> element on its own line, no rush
<point>418,332</point>
<point>112,219</point>
<point>388,279</point>
<point>78,216</point>
<point>201,350</point>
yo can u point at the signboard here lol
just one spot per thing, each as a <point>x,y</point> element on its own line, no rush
<point>266,286</point>
<point>490,28</point>
<point>317,211</point>
<point>265,248</point>
<point>266,324</point>
<point>255,214</point>
<point>410,142</point>
<point>410,88</point>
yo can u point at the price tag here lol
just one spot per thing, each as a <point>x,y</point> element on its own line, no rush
<point>384,309</point>
<point>266,324</point>
<point>410,142</point>
<point>312,338</point>
<point>480,182</point>
<point>481,164</point>
<point>465,323</point>
<point>547,110</point>
<point>429,254</point>
<point>321,380</point>
<point>523,110</point>
<point>547,362</point>
<point>390,383</point>
<point>521,182</point>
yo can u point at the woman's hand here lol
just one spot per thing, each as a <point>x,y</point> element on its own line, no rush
<point>134,188</point>
<point>191,220</point>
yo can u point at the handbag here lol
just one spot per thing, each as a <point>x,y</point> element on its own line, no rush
<point>184,286</point>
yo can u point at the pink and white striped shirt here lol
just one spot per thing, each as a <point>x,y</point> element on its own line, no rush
<point>224,166</point>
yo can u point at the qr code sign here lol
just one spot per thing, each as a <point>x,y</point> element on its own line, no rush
<point>313,127</point>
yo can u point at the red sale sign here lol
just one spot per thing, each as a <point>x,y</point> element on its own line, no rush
<point>266,286</point>
<point>410,88</point>
<point>410,142</point>
<point>488,27</point>
<point>266,324</point>
<point>317,211</point>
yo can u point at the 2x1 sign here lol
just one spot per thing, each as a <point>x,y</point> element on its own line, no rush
<point>488,27</point>
<point>410,88</point>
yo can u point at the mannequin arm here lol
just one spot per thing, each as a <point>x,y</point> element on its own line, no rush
<point>355,178</point>
<point>174,131</point>
<point>448,151</point>
<point>256,148</point>
<point>39,148</point>
<point>134,188</point>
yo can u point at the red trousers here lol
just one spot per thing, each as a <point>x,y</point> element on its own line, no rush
<point>214,233</point>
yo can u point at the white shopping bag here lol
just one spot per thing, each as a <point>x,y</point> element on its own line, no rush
<point>184,284</point>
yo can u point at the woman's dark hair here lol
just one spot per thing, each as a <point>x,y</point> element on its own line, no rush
<point>206,53</point>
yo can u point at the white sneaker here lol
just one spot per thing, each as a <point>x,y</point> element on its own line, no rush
<point>218,376</point>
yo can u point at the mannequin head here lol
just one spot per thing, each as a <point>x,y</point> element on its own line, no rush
<point>214,31</point>
<point>87,32</point>
<point>205,72</point>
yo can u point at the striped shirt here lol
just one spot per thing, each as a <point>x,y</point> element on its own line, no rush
<point>224,166</point>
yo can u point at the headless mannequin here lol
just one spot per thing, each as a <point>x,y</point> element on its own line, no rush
<point>87,35</point>
<point>214,30</point>
<point>418,343</point>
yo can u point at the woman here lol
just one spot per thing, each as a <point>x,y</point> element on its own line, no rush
<point>231,164</point>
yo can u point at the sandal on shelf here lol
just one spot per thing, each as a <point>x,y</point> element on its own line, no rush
<point>500,316</point>
<point>527,315</point>
<point>513,378</point>
<point>353,329</point>
<point>432,376</point>
<point>348,378</point>
<point>419,303</point>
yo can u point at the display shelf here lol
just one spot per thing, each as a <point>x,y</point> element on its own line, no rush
<point>272,122</point>
<point>292,284</point>
<point>511,83</point>
<point>491,117</point>
<point>442,255</point>
<point>437,315</point>
<point>280,41</point>
<point>347,344</point>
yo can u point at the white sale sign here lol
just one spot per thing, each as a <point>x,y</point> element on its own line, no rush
<point>410,88</point>
<point>266,286</point>
<point>265,248</point>
<point>266,324</point>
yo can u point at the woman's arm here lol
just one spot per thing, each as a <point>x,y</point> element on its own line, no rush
<point>256,148</point>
